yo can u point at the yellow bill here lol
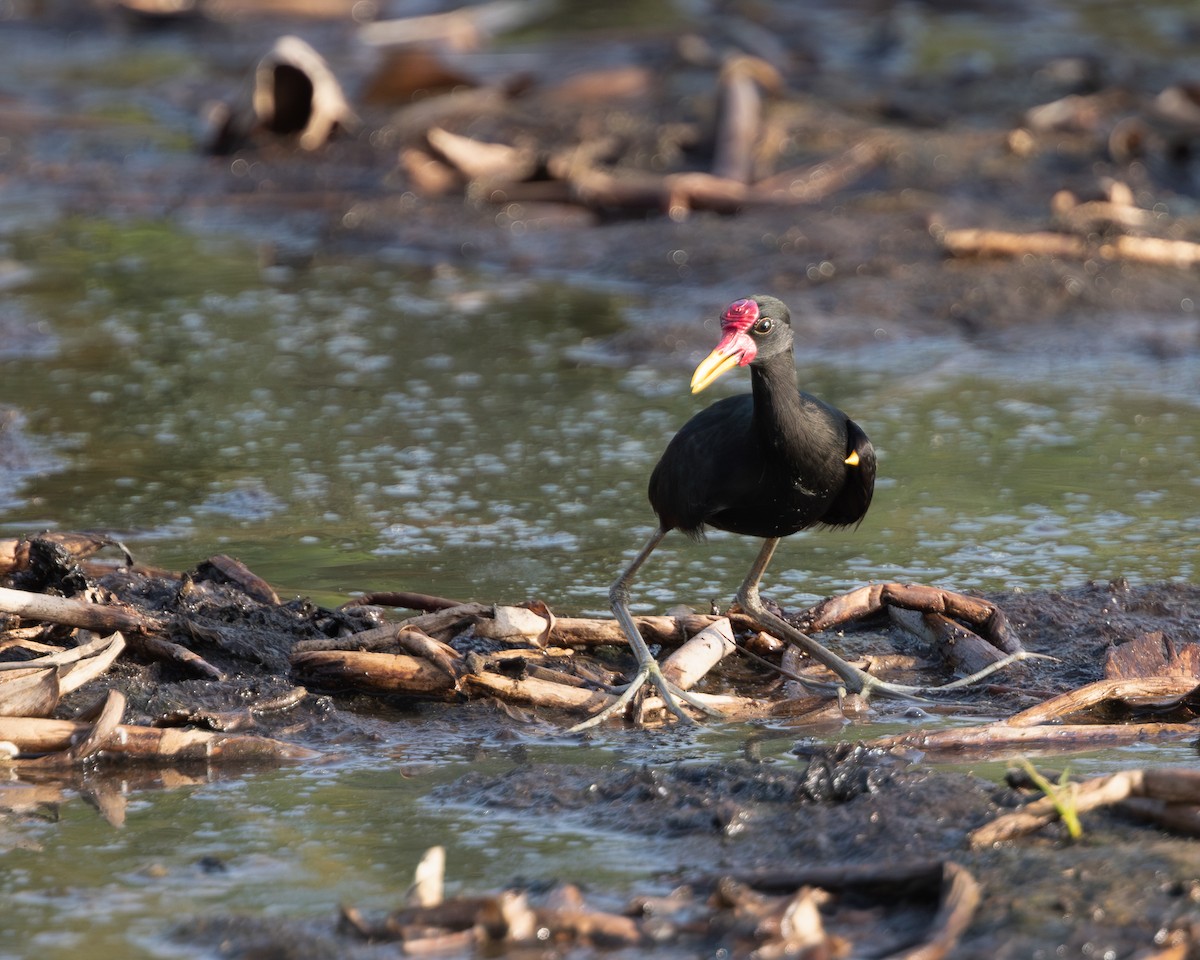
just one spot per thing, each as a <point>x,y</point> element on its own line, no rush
<point>714,366</point>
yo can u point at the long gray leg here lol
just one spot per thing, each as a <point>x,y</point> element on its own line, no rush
<point>648,668</point>
<point>853,679</point>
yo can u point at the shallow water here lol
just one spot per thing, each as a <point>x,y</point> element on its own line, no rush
<point>366,427</point>
<point>355,427</point>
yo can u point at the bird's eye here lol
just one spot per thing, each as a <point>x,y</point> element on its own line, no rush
<point>764,325</point>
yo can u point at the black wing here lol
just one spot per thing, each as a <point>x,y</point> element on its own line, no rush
<point>852,501</point>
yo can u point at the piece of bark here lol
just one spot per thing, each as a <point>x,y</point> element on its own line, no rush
<point>33,687</point>
<point>226,569</point>
<point>33,694</point>
<point>1152,655</point>
<point>477,160</point>
<point>100,654</point>
<point>26,639</point>
<point>295,92</point>
<point>420,644</point>
<point>88,645</point>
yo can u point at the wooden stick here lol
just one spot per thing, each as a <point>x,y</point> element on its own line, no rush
<point>864,601</point>
<point>739,115</point>
<point>33,736</point>
<point>1177,817</point>
<point>424,602</point>
<point>814,183</point>
<point>377,638</point>
<point>378,672</point>
<point>536,692</point>
<point>985,243</point>
<point>1085,697</point>
<point>956,907</point>
<point>1005,243</point>
<point>1165,784</point>
<point>963,649</point>
<point>106,618</point>
<point>688,665</point>
<point>156,648</point>
<point>999,737</point>
<point>666,631</point>
<point>1171,253</point>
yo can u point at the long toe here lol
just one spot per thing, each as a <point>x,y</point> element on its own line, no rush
<point>670,694</point>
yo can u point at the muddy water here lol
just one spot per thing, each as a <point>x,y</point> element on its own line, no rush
<point>364,426</point>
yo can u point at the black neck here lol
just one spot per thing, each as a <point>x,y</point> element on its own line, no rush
<point>776,400</point>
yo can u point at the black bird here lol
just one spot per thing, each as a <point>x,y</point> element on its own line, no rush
<point>765,464</point>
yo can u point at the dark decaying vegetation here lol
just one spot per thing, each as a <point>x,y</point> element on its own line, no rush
<point>101,658</point>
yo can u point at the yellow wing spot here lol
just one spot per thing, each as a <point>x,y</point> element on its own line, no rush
<point>852,460</point>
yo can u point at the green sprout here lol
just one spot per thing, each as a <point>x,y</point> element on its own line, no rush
<point>1061,794</point>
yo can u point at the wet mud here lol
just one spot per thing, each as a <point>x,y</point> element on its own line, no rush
<point>1121,888</point>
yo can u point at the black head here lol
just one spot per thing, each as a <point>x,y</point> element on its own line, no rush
<point>753,330</point>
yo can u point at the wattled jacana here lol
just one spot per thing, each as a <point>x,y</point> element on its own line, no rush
<point>765,464</point>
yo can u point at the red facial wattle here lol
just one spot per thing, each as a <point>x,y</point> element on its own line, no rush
<point>736,348</point>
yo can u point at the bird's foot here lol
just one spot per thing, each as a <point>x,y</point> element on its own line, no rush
<point>851,679</point>
<point>985,618</point>
<point>671,694</point>
<point>903,691</point>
